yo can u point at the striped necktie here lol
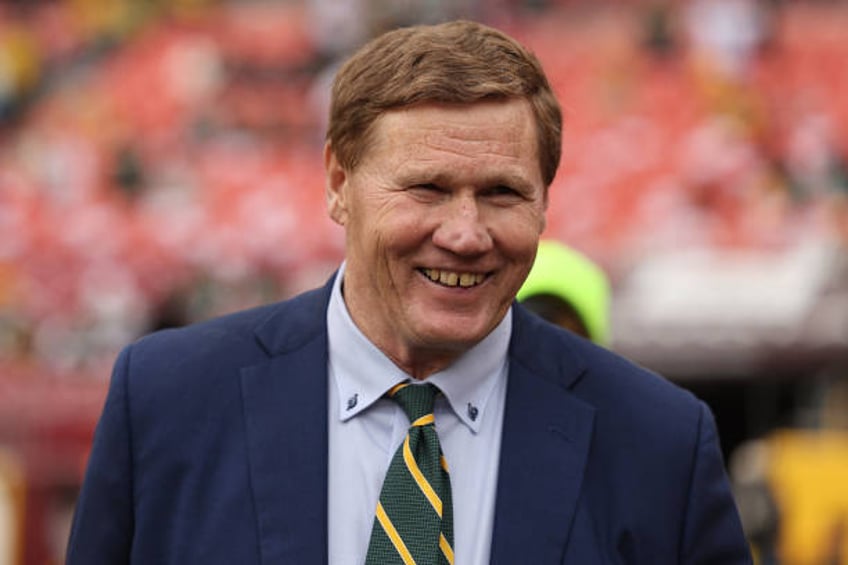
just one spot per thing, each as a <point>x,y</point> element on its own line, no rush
<point>414,521</point>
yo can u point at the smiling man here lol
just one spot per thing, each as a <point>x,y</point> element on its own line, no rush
<point>410,411</point>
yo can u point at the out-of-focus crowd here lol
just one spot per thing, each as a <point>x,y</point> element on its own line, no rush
<point>159,161</point>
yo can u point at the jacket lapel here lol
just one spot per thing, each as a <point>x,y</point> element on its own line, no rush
<point>285,411</point>
<point>547,432</point>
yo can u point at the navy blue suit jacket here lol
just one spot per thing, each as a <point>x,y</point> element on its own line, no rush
<point>212,448</point>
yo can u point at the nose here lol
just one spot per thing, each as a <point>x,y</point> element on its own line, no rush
<point>462,230</point>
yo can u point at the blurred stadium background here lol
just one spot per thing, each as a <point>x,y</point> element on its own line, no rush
<point>160,164</point>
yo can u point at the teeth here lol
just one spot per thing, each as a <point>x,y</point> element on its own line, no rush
<point>451,278</point>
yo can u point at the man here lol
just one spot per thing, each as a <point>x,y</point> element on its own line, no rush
<point>267,436</point>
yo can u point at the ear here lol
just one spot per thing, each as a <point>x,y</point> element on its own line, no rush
<point>545,202</point>
<point>335,186</point>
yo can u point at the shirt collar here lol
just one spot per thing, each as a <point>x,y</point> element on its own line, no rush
<point>363,373</point>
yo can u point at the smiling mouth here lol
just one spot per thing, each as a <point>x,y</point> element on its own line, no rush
<point>453,279</point>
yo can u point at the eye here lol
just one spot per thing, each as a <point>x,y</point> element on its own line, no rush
<point>503,191</point>
<point>428,186</point>
<point>426,190</point>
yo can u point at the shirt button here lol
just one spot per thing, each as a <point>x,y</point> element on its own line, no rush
<point>351,402</point>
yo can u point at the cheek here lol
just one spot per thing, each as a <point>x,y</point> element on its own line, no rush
<point>389,233</point>
<point>520,234</point>
<point>403,223</point>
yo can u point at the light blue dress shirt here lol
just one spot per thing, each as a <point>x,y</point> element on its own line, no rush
<point>366,429</point>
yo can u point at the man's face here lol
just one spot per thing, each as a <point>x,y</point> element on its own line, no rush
<point>442,218</point>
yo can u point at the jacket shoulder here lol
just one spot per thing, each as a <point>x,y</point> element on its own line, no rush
<point>262,330</point>
<point>621,391</point>
<point>215,349</point>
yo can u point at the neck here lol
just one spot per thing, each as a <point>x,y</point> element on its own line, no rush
<point>420,365</point>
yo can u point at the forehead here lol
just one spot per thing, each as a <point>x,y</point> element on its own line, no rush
<point>501,132</point>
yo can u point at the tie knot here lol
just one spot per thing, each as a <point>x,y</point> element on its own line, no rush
<point>416,400</point>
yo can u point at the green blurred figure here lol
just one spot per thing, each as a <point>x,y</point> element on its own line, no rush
<point>567,289</point>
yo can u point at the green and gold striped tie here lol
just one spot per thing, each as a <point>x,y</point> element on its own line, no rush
<point>414,521</point>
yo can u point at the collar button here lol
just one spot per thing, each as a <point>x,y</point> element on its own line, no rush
<point>351,402</point>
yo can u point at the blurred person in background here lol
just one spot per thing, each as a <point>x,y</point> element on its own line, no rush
<point>21,66</point>
<point>568,289</point>
<point>265,436</point>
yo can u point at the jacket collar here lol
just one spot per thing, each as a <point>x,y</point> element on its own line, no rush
<point>306,314</point>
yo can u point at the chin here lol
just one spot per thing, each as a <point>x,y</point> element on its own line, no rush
<point>450,339</point>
